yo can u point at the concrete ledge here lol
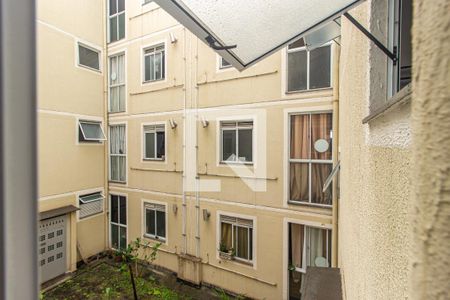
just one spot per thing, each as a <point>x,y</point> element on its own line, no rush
<point>403,96</point>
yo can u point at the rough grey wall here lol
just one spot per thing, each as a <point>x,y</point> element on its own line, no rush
<point>375,187</point>
<point>430,276</point>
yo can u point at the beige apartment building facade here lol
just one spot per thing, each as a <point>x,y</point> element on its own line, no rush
<point>209,154</point>
<point>145,132</point>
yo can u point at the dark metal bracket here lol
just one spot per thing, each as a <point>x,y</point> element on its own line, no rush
<point>212,43</point>
<point>380,45</point>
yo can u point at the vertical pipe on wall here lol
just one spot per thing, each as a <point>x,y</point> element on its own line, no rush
<point>335,147</point>
<point>106,122</point>
<point>184,211</point>
<point>197,195</point>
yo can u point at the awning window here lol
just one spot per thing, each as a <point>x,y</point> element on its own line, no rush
<point>244,32</point>
<point>91,131</point>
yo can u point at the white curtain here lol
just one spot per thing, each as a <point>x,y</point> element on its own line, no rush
<point>117,83</point>
<point>317,245</point>
<point>117,152</point>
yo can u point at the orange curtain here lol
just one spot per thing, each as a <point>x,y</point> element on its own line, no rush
<point>297,240</point>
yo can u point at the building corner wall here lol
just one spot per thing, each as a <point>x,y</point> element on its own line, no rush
<point>430,218</point>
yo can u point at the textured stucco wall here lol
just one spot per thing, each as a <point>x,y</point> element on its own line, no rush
<point>375,163</point>
<point>430,274</point>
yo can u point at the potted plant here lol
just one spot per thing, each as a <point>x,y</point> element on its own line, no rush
<point>225,253</point>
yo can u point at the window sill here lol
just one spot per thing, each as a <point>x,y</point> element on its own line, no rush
<point>153,160</point>
<point>154,238</point>
<point>402,97</point>
<point>308,91</point>
<point>153,81</point>
<point>237,163</point>
<point>301,203</point>
<point>118,182</point>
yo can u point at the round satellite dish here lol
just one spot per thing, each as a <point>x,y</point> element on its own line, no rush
<point>113,76</point>
<point>321,261</point>
<point>321,145</point>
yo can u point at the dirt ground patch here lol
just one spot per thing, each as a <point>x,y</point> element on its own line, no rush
<point>105,280</point>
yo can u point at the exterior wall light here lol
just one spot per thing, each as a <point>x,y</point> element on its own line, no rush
<point>173,124</point>
<point>205,122</point>
<point>206,214</point>
<point>174,208</point>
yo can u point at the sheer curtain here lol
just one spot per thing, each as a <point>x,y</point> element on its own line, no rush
<point>297,240</point>
<point>117,83</point>
<point>117,152</point>
<point>226,235</point>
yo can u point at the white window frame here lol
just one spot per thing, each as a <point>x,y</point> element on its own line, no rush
<point>394,40</point>
<point>125,155</point>
<point>286,222</point>
<point>89,140</point>
<point>236,129</point>
<point>125,83</point>
<point>118,217</point>
<point>155,159</point>
<point>92,47</point>
<point>307,243</point>
<point>117,14</point>
<point>143,55</point>
<point>145,203</point>
<point>286,63</point>
<point>250,263</point>
<point>309,161</point>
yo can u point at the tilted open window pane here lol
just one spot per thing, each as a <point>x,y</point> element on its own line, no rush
<point>91,204</point>
<point>256,31</point>
<point>88,57</point>
<point>90,132</point>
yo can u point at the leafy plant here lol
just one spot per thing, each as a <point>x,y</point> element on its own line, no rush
<point>223,247</point>
<point>130,255</point>
<point>221,294</point>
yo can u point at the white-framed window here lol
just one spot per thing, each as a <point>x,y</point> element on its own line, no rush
<point>308,70</point>
<point>236,237</point>
<point>155,221</point>
<point>116,20</point>
<point>310,157</point>
<point>154,63</point>
<point>308,247</point>
<point>154,140</point>
<point>117,153</point>
<point>88,57</point>
<point>90,132</point>
<point>90,204</point>
<point>236,141</point>
<point>118,221</point>
<point>223,64</point>
<point>117,88</point>
<point>400,43</point>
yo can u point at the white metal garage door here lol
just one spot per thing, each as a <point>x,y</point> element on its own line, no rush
<point>52,247</point>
